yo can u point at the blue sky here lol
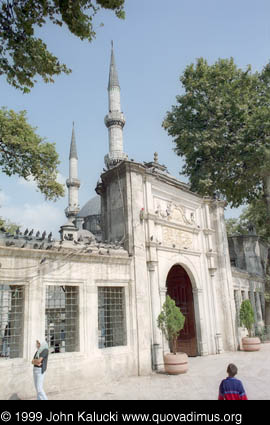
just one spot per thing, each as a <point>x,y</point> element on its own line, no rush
<point>153,45</point>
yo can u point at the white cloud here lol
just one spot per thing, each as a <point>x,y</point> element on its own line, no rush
<point>41,216</point>
<point>4,198</point>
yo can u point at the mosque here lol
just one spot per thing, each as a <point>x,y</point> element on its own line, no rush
<point>96,293</point>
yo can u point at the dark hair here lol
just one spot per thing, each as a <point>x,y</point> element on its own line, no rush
<point>231,370</point>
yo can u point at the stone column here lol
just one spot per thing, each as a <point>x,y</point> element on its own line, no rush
<point>238,328</point>
<point>218,336</point>
<point>163,293</point>
<point>262,299</point>
<point>259,310</point>
<point>237,300</point>
<point>156,308</point>
<point>200,328</point>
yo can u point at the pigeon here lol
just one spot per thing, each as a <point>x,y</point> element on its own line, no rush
<point>32,231</point>
<point>43,260</point>
<point>10,243</point>
<point>42,245</point>
<point>26,232</point>
<point>50,236</point>
<point>38,234</point>
<point>43,235</point>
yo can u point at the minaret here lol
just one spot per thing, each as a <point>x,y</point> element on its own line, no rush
<point>115,120</point>
<point>73,183</point>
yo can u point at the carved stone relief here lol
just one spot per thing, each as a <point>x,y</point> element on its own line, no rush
<point>168,210</point>
<point>177,238</point>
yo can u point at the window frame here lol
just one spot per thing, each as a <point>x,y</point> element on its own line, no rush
<point>125,284</point>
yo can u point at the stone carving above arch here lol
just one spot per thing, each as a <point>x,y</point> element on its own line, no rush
<point>177,238</point>
<point>168,210</point>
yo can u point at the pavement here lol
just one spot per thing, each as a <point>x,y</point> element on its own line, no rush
<point>201,382</point>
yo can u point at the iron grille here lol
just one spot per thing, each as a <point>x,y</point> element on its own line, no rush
<point>11,320</point>
<point>62,318</point>
<point>111,317</point>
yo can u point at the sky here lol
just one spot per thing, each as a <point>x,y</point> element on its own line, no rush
<point>152,47</point>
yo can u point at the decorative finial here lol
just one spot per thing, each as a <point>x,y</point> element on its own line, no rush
<point>155,157</point>
<point>73,124</point>
<point>112,43</point>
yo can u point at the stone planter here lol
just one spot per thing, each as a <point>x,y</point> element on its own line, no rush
<point>251,344</point>
<point>175,364</point>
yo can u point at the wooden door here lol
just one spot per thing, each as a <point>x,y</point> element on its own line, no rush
<point>179,288</point>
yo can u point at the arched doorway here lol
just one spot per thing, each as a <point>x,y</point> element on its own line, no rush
<point>179,288</point>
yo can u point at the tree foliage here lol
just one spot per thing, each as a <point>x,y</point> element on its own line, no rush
<point>221,126</point>
<point>255,214</point>
<point>170,322</point>
<point>24,56</point>
<point>26,154</point>
<point>247,315</point>
<point>7,225</point>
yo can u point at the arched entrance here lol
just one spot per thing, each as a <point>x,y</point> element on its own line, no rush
<point>179,288</point>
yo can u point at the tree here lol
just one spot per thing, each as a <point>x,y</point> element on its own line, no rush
<point>221,126</point>
<point>247,316</point>
<point>26,154</point>
<point>170,322</point>
<point>24,56</point>
<point>8,226</point>
<point>255,214</point>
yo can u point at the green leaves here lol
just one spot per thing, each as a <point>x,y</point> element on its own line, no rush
<point>256,214</point>
<point>26,154</point>
<point>171,321</point>
<point>22,55</point>
<point>247,315</point>
<point>221,126</point>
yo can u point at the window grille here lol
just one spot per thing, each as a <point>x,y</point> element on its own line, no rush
<point>62,318</point>
<point>111,317</point>
<point>11,320</point>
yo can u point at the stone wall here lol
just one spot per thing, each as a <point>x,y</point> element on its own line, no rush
<point>89,363</point>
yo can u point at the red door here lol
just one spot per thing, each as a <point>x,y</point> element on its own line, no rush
<point>179,288</point>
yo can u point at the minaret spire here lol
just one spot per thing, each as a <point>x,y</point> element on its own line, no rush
<point>115,120</point>
<point>73,183</point>
<point>73,148</point>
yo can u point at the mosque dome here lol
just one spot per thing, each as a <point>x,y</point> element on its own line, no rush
<point>92,207</point>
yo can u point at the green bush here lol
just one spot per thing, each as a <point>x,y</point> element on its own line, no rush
<point>247,316</point>
<point>170,322</point>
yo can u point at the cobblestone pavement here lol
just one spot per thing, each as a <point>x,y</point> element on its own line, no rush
<point>201,382</point>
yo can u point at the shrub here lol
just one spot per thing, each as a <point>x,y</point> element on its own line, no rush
<point>170,322</point>
<point>247,316</point>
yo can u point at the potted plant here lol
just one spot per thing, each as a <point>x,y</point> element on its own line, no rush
<point>247,320</point>
<point>170,322</point>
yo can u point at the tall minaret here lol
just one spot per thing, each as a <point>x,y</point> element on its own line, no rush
<point>115,120</point>
<point>73,183</point>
